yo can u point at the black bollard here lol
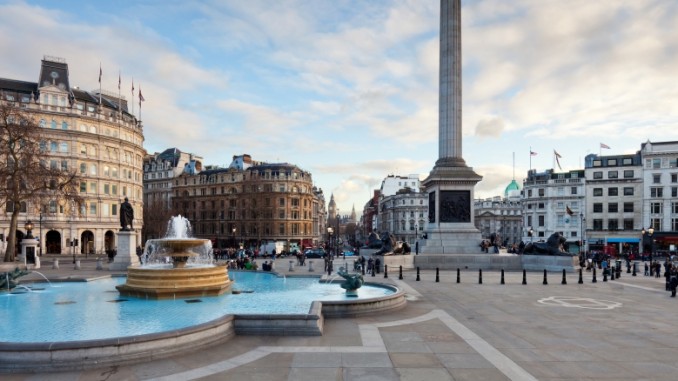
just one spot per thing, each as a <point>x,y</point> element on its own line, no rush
<point>418,278</point>
<point>437,275</point>
<point>594,275</point>
<point>564,279</point>
<point>385,271</point>
<point>545,282</point>
<point>480,276</point>
<point>502,276</point>
<point>611,274</point>
<point>634,269</point>
<point>458,276</point>
<point>524,277</point>
<point>374,271</point>
<point>400,272</point>
<point>628,267</point>
<point>619,271</point>
<point>581,276</point>
<point>604,275</point>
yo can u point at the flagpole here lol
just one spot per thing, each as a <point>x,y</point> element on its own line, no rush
<point>132,96</point>
<point>530,158</point>
<point>119,96</point>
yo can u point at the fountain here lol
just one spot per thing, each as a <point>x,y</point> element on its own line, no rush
<point>176,266</point>
<point>9,280</point>
<point>351,283</point>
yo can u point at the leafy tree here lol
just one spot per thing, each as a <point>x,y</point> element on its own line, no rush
<point>30,178</point>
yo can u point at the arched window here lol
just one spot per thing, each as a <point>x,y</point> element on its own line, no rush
<point>54,124</point>
<point>43,123</point>
<point>64,125</point>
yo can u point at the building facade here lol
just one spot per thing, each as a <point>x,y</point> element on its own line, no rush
<point>94,134</point>
<point>660,194</point>
<point>247,207</point>
<point>554,202</point>
<point>402,214</point>
<point>501,216</point>
<point>614,202</point>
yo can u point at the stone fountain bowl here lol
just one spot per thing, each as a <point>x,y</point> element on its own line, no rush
<point>180,245</point>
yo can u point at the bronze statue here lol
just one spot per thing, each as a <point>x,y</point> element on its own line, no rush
<point>351,281</point>
<point>388,243</point>
<point>126,216</point>
<point>555,245</point>
<point>373,241</point>
<point>9,280</point>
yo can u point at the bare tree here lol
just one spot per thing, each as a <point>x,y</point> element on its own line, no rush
<point>156,218</point>
<point>30,180</point>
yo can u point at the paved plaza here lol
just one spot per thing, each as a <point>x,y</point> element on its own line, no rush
<point>623,329</point>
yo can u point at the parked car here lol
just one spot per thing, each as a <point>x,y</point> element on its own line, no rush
<point>315,253</point>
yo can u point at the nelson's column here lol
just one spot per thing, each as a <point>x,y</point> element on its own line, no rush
<point>450,227</point>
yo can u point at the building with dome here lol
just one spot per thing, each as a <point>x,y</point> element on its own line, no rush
<point>501,215</point>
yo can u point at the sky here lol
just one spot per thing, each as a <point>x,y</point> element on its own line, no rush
<point>348,90</point>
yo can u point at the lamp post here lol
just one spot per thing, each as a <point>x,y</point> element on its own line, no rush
<point>29,229</point>
<point>647,237</point>
<point>233,230</point>
<point>330,231</point>
<point>583,238</point>
<point>530,234</point>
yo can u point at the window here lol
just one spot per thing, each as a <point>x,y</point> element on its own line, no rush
<point>613,191</point>
<point>597,224</point>
<point>627,161</point>
<point>628,191</point>
<point>612,162</point>
<point>656,163</point>
<point>597,192</point>
<point>541,205</point>
<point>83,187</point>
<point>597,163</point>
<point>93,208</point>
<point>657,178</point>
<point>674,207</point>
<point>281,201</point>
<point>93,187</point>
<point>674,191</point>
<point>656,192</point>
<point>93,169</point>
<point>83,168</point>
<point>598,207</point>
<point>674,177</point>
<point>64,125</point>
<point>53,124</point>
<point>541,192</point>
<point>598,175</point>
<point>612,174</point>
<point>656,207</point>
<point>628,207</point>
<point>656,224</point>
<point>613,207</point>
<point>573,190</point>
<point>628,223</point>
<point>674,224</point>
<point>541,220</point>
<point>529,193</point>
<point>628,174</point>
<point>613,224</point>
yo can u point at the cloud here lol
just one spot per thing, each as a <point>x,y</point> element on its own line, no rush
<point>491,127</point>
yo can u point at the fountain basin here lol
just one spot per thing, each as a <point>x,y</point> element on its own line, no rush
<point>171,283</point>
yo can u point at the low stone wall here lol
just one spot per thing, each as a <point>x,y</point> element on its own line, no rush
<point>310,324</point>
<point>354,308</point>
<point>468,261</point>
<point>550,263</point>
<point>77,355</point>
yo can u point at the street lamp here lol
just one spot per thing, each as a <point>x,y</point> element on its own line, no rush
<point>530,233</point>
<point>330,231</point>
<point>29,229</point>
<point>40,240</point>
<point>647,237</point>
<point>233,230</point>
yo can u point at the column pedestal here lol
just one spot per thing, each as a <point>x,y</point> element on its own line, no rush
<point>126,252</point>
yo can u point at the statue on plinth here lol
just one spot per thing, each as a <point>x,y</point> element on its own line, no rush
<point>555,245</point>
<point>126,216</point>
<point>8,280</point>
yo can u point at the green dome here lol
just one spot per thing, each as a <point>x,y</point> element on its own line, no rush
<point>513,186</point>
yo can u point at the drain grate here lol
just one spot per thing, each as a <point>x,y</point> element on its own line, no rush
<point>193,301</point>
<point>117,300</point>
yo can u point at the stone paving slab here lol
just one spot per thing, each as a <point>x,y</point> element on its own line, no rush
<point>623,329</point>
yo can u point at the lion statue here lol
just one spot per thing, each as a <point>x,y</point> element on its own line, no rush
<point>556,244</point>
<point>373,241</point>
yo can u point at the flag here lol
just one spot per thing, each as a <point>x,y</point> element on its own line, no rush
<point>119,81</point>
<point>132,87</point>
<point>100,73</point>
<point>532,153</point>
<point>557,155</point>
<point>141,97</point>
<point>568,210</point>
<point>603,145</point>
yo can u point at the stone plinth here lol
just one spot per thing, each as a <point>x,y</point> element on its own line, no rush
<point>126,251</point>
<point>469,261</point>
<point>550,263</point>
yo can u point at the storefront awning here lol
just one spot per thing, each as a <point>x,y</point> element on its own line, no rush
<point>622,240</point>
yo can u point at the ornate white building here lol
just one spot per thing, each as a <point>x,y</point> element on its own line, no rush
<point>94,134</point>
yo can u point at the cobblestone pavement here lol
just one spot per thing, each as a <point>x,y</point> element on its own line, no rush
<point>622,329</point>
